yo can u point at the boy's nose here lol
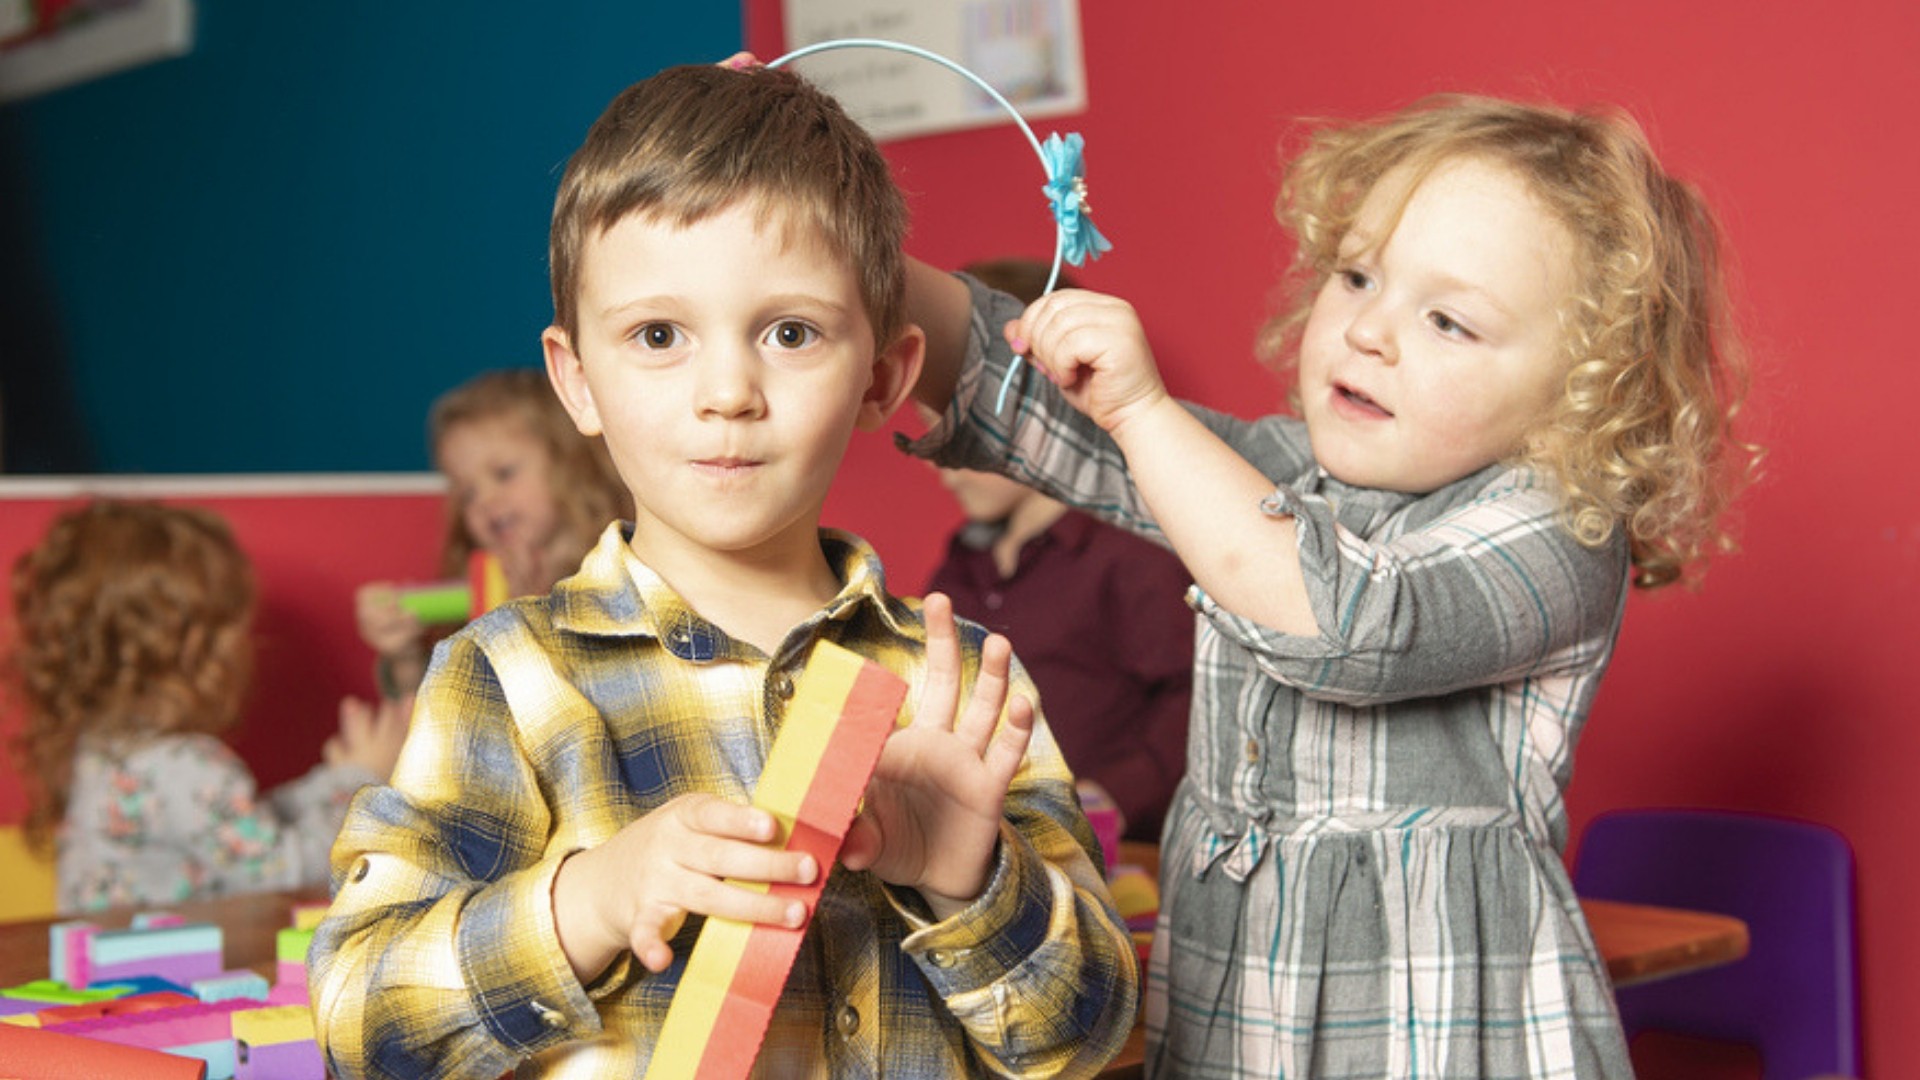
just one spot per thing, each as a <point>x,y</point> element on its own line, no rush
<point>728,384</point>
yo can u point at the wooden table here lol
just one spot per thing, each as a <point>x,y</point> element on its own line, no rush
<point>1639,942</point>
<point>250,926</point>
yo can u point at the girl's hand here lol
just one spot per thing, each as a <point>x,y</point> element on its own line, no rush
<point>388,629</point>
<point>635,890</point>
<point>1093,347</point>
<point>933,808</point>
<point>370,736</point>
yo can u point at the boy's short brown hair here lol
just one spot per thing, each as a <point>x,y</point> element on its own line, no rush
<point>693,141</point>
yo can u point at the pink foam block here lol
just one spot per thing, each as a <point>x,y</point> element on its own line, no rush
<point>289,993</point>
<point>67,950</point>
<point>162,1029</point>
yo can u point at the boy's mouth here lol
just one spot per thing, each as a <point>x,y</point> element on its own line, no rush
<point>726,466</point>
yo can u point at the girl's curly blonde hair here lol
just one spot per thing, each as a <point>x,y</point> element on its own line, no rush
<point>587,490</point>
<point>132,619</point>
<point>1642,437</point>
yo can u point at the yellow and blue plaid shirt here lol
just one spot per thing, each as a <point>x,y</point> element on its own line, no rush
<point>551,723</point>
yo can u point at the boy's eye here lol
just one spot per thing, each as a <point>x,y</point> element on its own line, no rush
<point>658,335</point>
<point>1355,279</point>
<point>792,334</point>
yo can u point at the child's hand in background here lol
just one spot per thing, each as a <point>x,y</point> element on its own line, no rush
<point>933,809</point>
<point>635,890</point>
<point>370,735</point>
<point>1093,347</point>
<point>388,629</point>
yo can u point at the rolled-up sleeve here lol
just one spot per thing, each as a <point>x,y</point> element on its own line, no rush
<point>1495,590</point>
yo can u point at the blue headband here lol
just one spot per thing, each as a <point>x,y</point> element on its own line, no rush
<point>1076,240</point>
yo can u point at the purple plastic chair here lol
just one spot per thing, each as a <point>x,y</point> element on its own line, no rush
<point>1792,997</point>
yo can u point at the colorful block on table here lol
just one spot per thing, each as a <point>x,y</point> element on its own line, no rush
<point>179,953</point>
<point>842,710</point>
<point>292,944</point>
<point>55,992</point>
<point>308,915</point>
<point>298,1060</point>
<point>66,945</point>
<point>231,985</point>
<point>131,1005</point>
<point>195,1029</point>
<point>52,1053</point>
<point>273,1024</point>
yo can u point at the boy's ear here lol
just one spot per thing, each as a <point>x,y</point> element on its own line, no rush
<point>895,369</point>
<point>569,380</point>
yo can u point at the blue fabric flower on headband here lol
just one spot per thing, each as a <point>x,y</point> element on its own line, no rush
<point>1067,194</point>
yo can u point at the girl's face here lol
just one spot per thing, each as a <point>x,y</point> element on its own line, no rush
<point>500,476</point>
<point>1436,345</point>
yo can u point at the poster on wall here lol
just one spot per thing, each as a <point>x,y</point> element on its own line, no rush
<point>1027,50</point>
<point>47,44</point>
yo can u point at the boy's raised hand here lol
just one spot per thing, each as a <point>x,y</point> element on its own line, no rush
<point>933,808</point>
<point>635,890</point>
<point>1093,347</point>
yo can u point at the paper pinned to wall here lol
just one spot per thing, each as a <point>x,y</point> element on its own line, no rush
<point>1027,50</point>
<point>85,41</point>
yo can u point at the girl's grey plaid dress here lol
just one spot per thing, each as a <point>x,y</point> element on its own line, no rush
<point>1361,873</point>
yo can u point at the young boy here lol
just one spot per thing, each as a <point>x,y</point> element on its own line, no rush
<point>728,292</point>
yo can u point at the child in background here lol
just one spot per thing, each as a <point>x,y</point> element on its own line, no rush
<point>134,654</point>
<point>1097,613</point>
<point>1515,380</point>
<point>728,290</point>
<point>522,484</point>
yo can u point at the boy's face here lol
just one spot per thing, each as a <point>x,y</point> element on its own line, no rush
<point>727,363</point>
<point>1436,344</point>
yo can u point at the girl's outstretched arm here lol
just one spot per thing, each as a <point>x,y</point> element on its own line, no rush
<point>1207,499</point>
<point>940,305</point>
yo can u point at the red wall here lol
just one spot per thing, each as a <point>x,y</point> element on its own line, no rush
<point>1778,686</point>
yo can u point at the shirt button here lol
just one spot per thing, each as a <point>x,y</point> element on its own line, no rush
<point>549,1017</point>
<point>360,868</point>
<point>783,686</point>
<point>1253,750</point>
<point>848,1021</point>
<point>993,600</point>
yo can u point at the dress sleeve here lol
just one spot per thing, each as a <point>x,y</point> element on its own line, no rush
<point>439,955</point>
<point>232,839</point>
<point>1041,440</point>
<point>1040,970</point>
<point>1492,591</point>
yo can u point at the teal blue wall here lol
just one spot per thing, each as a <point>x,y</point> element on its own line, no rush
<point>272,253</point>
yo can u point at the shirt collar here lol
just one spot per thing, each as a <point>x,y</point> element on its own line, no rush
<point>614,594</point>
